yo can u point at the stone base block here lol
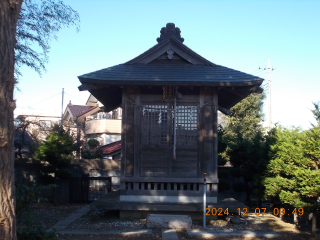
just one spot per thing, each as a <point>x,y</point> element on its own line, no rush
<point>125,214</point>
<point>169,221</point>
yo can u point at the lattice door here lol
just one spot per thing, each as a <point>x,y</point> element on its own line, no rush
<point>154,140</point>
<point>186,161</point>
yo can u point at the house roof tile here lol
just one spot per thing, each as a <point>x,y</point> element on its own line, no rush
<point>78,110</point>
<point>111,147</point>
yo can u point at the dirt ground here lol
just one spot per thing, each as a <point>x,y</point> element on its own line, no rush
<point>48,215</point>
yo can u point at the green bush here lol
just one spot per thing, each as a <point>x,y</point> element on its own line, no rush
<point>223,185</point>
<point>89,154</point>
<point>57,151</point>
<point>222,173</point>
<point>239,187</point>
<point>221,161</point>
<point>93,143</point>
<point>236,172</point>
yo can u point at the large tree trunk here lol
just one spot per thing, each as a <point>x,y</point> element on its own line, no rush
<point>9,13</point>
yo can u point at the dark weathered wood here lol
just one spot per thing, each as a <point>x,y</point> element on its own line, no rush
<point>137,131</point>
<point>123,135</point>
<point>149,99</point>
<point>129,168</point>
<point>201,134</point>
<point>168,180</point>
<point>169,141</point>
<point>214,166</point>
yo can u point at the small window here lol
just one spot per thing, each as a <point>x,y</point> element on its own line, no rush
<point>45,125</point>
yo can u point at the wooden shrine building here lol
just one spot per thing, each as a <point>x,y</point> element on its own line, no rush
<point>170,98</point>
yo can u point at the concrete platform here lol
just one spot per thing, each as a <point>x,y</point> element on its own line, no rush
<point>111,201</point>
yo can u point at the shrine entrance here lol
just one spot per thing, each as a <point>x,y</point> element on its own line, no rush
<point>165,152</point>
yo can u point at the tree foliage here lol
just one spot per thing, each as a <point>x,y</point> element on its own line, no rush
<point>244,140</point>
<point>57,151</point>
<point>293,173</point>
<point>39,22</point>
<point>316,112</point>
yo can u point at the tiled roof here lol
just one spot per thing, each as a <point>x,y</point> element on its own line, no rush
<point>78,110</point>
<point>178,43</point>
<point>196,75</point>
<point>111,147</point>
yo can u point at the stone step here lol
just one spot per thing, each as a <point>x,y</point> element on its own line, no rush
<point>169,221</point>
<point>169,234</point>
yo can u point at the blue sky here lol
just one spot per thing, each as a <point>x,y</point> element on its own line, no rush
<point>236,34</point>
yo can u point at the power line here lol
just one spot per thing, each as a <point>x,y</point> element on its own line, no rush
<point>257,62</point>
<point>73,96</point>
<point>293,96</point>
<point>44,99</point>
<point>256,71</point>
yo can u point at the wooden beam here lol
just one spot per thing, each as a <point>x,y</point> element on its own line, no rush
<point>224,110</point>
<point>256,89</point>
<point>88,87</point>
<point>168,180</point>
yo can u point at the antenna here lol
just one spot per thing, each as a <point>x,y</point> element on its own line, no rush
<point>269,68</point>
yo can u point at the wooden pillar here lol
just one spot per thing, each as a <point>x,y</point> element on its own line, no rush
<point>215,132</point>
<point>137,133</point>
<point>206,118</point>
<point>123,135</point>
<point>201,135</point>
<point>129,139</point>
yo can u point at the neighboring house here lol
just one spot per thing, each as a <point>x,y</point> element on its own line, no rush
<point>90,121</point>
<point>40,122</point>
<point>32,125</point>
<point>112,150</point>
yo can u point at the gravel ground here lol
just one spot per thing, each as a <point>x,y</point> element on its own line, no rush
<point>48,215</point>
<point>100,219</point>
<point>109,220</point>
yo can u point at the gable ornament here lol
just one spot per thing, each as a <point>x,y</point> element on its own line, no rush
<point>170,54</point>
<point>168,31</point>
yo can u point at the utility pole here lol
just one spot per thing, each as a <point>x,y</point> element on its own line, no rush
<point>62,108</point>
<point>269,91</point>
